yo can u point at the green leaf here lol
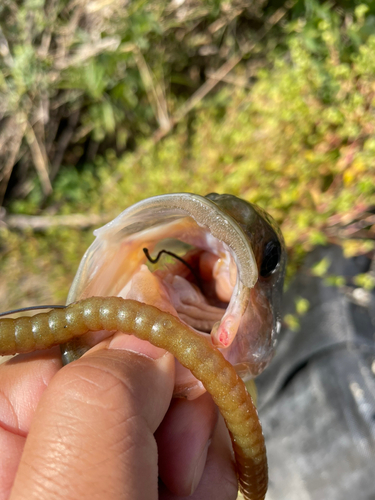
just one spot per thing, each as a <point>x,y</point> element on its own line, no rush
<point>321,267</point>
<point>302,305</point>
<point>365,280</point>
<point>333,280</point>
<point>292,322</point>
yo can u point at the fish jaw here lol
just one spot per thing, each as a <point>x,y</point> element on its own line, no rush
<point>208,239</point>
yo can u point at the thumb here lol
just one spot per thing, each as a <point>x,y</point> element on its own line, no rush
<point>92,433</point>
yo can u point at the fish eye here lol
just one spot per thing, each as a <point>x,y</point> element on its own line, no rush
<point>271,258</point>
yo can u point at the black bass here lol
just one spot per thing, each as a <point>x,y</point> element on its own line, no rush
<point>220,270</point>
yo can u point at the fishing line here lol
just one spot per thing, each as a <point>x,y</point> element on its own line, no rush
<point>31,308</point>
<point>146,252</point>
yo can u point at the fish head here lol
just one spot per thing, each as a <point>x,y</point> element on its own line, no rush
<point>255,341</point>
<point>216,262</point>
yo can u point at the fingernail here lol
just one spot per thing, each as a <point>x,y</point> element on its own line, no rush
<point>125,342</point>
<point>199,468</point>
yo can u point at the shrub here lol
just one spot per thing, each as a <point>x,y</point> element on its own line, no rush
<point>79,77</point>
<point>299,143</point>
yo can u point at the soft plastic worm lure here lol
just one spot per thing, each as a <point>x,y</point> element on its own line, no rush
<point>163,330</point>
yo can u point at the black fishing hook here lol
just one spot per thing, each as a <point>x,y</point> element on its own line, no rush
<point>155,260</point>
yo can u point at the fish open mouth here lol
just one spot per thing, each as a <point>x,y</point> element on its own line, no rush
<point>181,253</point>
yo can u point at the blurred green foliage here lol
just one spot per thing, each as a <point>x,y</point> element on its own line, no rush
<point>365,280</point>
<point>320,268</point>
<point>292,129</point>
<point>85,75</point>
<point>292,321</point>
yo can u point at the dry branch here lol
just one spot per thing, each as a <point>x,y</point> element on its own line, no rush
<point>155,93</point>
<point>41,223</point>
<point>63,142</point>
<point>13,136</point>
<point>88,51</point>
<point>39,160</point>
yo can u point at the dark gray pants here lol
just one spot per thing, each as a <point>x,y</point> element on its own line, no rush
<point>317,398</point>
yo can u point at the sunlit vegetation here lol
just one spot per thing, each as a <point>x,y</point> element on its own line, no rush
<point>290,127</point>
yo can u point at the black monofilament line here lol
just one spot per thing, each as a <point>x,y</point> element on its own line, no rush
<point>31,308</point>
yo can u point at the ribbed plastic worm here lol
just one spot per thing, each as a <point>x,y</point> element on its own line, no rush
<point>195,352</point>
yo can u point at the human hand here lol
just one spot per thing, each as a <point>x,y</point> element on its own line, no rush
<point>106,427</point>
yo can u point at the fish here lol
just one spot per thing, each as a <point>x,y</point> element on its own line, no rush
<point>216,262</point>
